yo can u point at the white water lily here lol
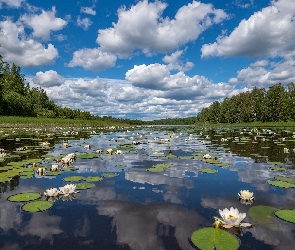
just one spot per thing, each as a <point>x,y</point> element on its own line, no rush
<point>51,192</point>
<point>110,151</point>
<point>67,189</point>
<point>230,217</point>
<point>54,167</point>
<point>118,152</point>
<point>207,156</point>
<point>246,195</point>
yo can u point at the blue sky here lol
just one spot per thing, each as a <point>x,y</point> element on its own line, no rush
<point>148,59</point>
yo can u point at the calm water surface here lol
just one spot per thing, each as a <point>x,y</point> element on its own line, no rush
<point>140,209</point>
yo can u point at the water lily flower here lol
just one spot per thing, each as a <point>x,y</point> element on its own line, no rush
<point>99,151</point>
<point>54,167</point>
<point>51,192</point>
<point>67,189</point>
<point>230,218</point>
<point>110,151</point>
<point>207,156</point>
<point>40,171</point>
<point>118,152</point>
<point>246,195</point>
<point>65,145</point>
<point>87,147</point>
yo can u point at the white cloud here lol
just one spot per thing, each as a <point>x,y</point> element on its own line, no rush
<point>44,23</point>
<point>88,10</point>
<point>269,32</point>
<point>11,3</point>
<point>93,59</point>
<point>84,23</point>
<point>154,32</point>
<point>25,52</point>
<point>48,79</point>
<point>264,74</point>
<point>174,62</point>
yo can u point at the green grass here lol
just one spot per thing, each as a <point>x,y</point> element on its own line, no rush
<point>12,121</point>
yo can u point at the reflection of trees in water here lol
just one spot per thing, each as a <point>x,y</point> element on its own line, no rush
<point>9,186</point>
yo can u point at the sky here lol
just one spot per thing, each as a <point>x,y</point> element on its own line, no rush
<point>146,59</point>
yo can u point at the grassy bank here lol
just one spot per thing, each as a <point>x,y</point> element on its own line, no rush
<point>16,121</point>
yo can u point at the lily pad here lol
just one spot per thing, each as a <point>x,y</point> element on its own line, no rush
<point>285,178</point>
<point>53,173</point>
<point>208,170</point>
<point>37,206</point>
<point>286,214</point>
<point>30,196</point>
<point>263,214</point>
<point>73,178</point>
<point>69,169</point>
<point>109,175</point>
<point>85,185</point>
<point>214,238</point>
<point>93,178</point>
<point>159,167</point>
<point>277,168</point>
<point>121,165</point>
<point>282,184</point>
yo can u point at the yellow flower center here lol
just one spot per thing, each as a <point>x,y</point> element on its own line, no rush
<point>231,216</point>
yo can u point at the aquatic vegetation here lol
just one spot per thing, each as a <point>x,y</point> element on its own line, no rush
<point>230,218</point>
<point>286,214</point>
<point>51,192</point>
<point>36,206</point>
<point>246,195</point>
<point>30,196</point>
<point>160,167</point>
<point>68,189</point>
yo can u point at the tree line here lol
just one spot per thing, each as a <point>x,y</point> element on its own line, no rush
<point>18,99</point>
<point>277,104</point>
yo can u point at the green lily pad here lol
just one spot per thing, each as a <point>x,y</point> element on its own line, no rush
<point>277,168</point>
<point>93,178</point>
<point>275,163</point>
<point>53,173</point>
<point>85,185</point>
<point>37,206</point>
<point>263,214</point>
<point>186,157</point>
<point>214,238</point>
<point>69,169</point>
<point>208,170</point>
<point>109,175</point>
<point>159,167</point>
<point>73,178</point>
<point>282,184</point>
<point>30,196</point>
<point>5,179</point>
<point>121,165</point>
<point>286,214</point>
<point>285,178</point>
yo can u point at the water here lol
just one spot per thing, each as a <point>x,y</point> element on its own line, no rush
<point>140,209</point>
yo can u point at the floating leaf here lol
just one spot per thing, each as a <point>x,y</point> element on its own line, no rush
<point>282,184</point>
<point>159,167</point>
<point>86,185</point>
<point>286,214</point>
<point>110,175</point>
<point>121,165</point>
<point>73,178</point>
<point>285,178</point>
<point>277,168</point>
<point>69,169</point>
<point>214,238</point>
<point>53,173</point>
<point>37,206</point>
<point>208,170</point>
<point>263,214</point>
<point>93,178</point>
<point>30,196</point>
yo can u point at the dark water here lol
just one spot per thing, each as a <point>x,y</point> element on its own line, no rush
<point>140,209</point>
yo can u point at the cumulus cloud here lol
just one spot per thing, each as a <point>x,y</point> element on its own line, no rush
<point>154,32</point>
<point>269,32</point>
<point>88,10</point>
<point>84,23</point>
<point>44,23</point>
<point>48,79</point>
<point>93,59</point>
<point>11,3</point>
<point>174,62</point>
<point>264,74</point>
<point>17,48</point>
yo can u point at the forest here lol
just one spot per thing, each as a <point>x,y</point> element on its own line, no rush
<point>18,99</point>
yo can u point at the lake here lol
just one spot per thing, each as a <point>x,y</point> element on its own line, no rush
<point>155,188</point>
